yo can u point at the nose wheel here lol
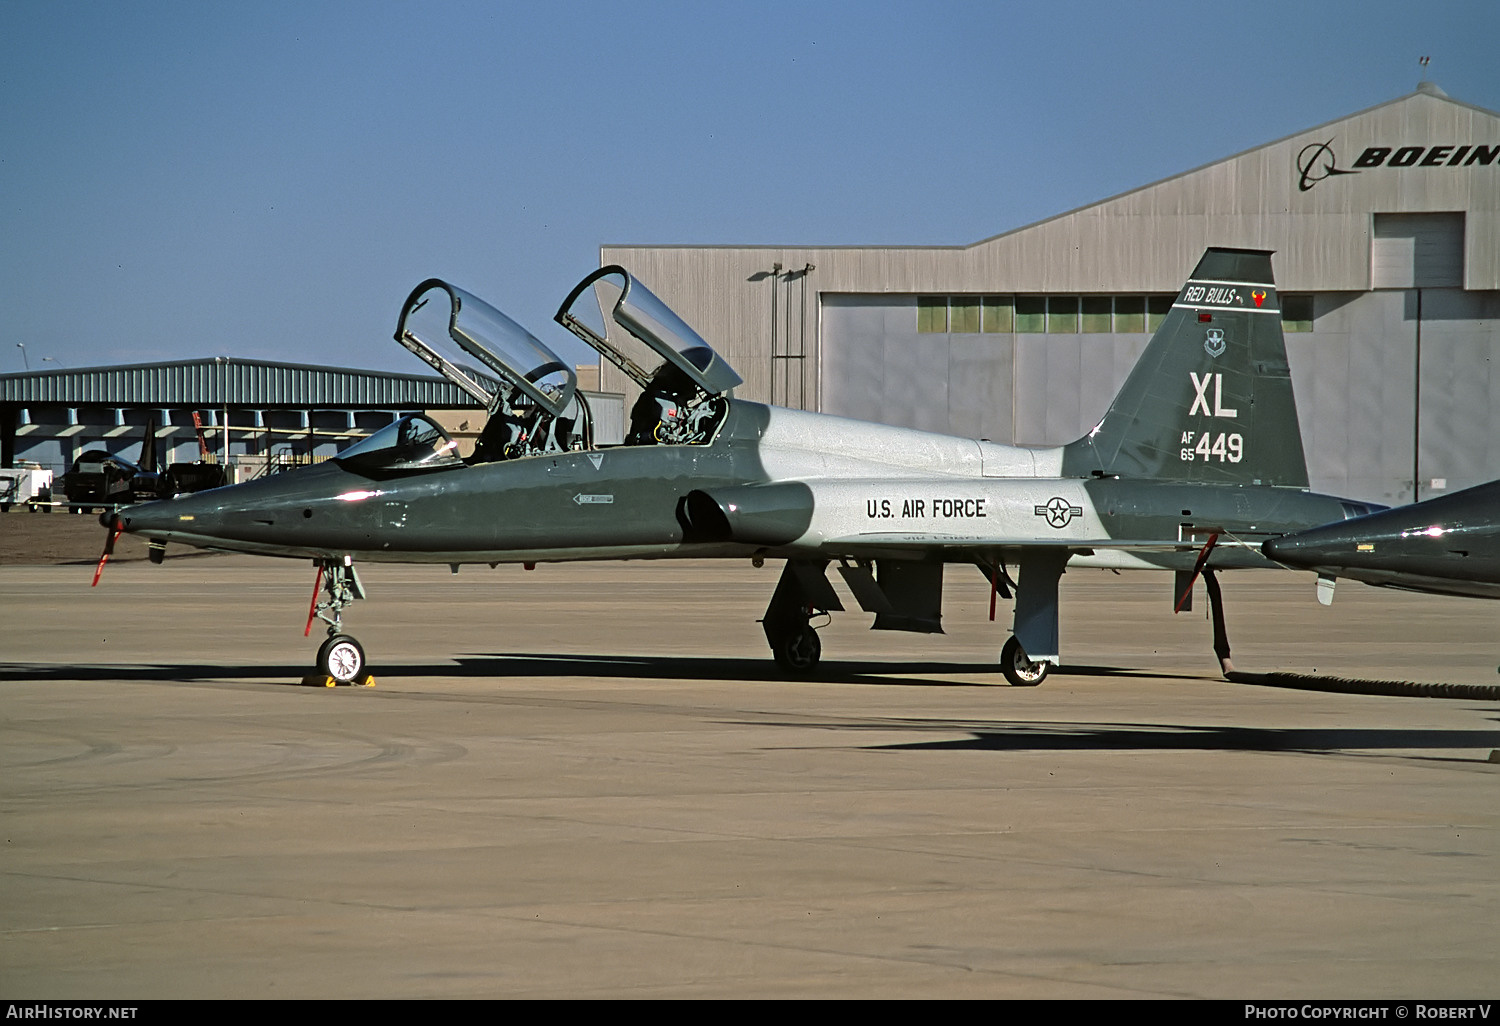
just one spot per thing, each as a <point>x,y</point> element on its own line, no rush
<point>343,659</point>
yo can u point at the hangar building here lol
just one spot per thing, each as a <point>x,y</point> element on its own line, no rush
<point>1386,231</point>
<point>257,414</point>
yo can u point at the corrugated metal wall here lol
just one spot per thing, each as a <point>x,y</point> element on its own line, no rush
<point>230,382</point>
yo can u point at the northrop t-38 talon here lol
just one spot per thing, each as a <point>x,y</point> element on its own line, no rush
<point>1195,464</point>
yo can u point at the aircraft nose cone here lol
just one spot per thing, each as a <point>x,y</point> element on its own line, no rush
<point>1282,550</point>
<point>144,517</point>
<point>1310,548</point>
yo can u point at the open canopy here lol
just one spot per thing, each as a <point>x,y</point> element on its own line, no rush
<point>438,316</point>
<point>648,332</point>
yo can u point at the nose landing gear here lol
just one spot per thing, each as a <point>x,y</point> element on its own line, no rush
<point>341,659</point>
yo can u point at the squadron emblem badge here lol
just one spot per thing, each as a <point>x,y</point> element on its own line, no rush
<point>1214,345</point>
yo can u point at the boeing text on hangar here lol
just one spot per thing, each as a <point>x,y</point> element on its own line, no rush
<point>1427,156</point>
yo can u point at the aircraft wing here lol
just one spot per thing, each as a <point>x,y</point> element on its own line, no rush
<point>1099,551</point>
<point>927,542</point>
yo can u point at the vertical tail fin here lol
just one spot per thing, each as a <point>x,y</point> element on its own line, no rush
<point>148,461</point>
<point>1210,400</point>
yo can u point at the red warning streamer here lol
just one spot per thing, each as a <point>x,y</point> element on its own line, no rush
<point>312,607</point>
<point>109,550</point>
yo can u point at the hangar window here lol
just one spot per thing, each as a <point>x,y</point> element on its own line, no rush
<point>1031,314</point>
<point>1296,313</point>
<point>1097,313</point>
<point>1130,314</point>
<point>1062,315</point>
<point>963,315</point>
<point>1157,308</point>
<point>969,315</point>
<point>1057,315</point>
<point>932,314</point>
<point>999,315</point>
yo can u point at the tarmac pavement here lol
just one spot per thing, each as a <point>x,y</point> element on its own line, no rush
<point>589,781</point>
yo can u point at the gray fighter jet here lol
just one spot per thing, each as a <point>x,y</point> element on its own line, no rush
<point>1449,546</point>
<point>1195,464</point>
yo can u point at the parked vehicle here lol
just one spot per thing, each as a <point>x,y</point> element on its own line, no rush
<point>100,478</point>
<point>27,485</point>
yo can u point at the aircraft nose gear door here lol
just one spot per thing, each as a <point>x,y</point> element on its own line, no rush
<point>341,659</point>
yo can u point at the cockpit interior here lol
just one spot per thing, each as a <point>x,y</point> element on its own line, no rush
<point>531,395</point>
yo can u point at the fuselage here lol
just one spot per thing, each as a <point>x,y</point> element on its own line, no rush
<point>792,483</point>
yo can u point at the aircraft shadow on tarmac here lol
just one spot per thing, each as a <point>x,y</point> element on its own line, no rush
<point>927,673</point>
<point>884,673</point>
<point>1115,737</point>
<point>175,673</point>
<point>916,673</point>
<point>984,735</point>
<point>511,665</point>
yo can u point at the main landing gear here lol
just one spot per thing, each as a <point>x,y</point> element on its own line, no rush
<point>1020,670</point>
<point>788,621</point>
<point>341,659</point>
<point>907,595</point>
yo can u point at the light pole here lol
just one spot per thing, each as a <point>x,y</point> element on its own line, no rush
<point>223,362</point>
<point>22,347</point>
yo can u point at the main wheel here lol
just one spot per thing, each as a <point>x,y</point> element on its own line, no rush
<point>798,650</point>
<point>1018,669</point>
<point>342,658</point>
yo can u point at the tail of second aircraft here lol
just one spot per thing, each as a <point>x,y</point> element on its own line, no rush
<point>1210,400</point>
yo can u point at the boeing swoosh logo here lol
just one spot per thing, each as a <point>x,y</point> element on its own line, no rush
<point>1308,163</point>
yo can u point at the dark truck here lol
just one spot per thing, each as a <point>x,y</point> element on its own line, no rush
<point>100,478</point>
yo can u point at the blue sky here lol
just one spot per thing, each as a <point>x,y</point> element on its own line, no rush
<point>269,179</point>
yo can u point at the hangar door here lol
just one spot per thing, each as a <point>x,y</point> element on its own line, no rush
<point>1417,251</point>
